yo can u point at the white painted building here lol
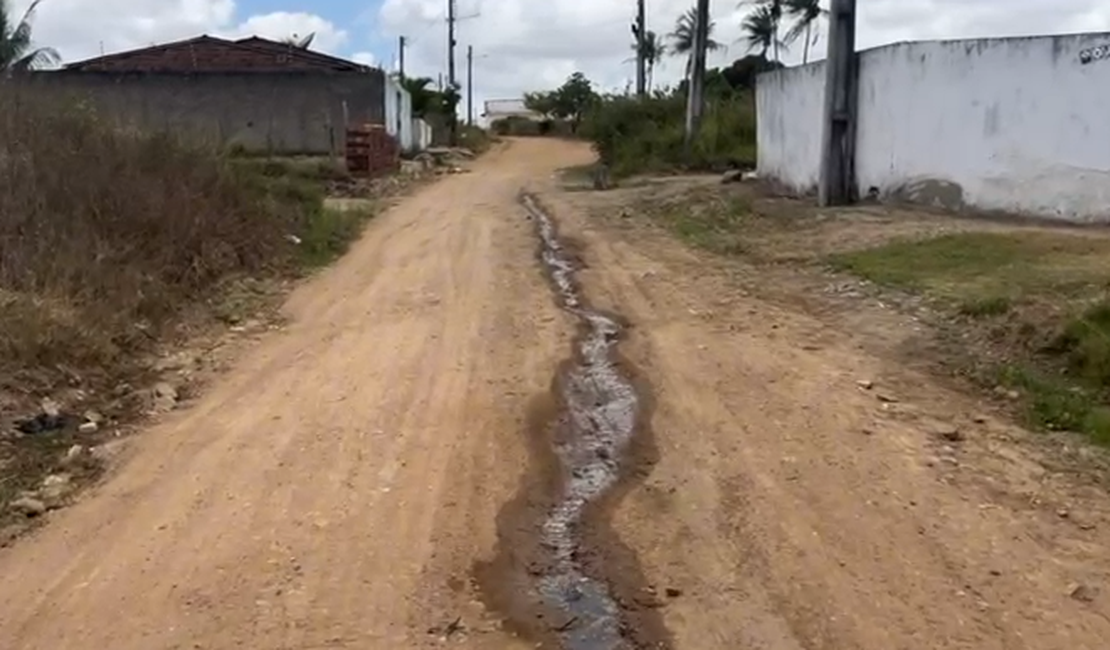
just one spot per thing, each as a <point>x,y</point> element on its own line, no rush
<point>1020,125</point>
<point>497,109</point>
<point>413,133</point>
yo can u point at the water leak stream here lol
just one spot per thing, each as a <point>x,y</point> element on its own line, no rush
<point>600,415</point>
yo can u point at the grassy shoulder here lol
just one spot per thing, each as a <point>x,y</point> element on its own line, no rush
<point>1025,309</point>
<point>1040,294</point>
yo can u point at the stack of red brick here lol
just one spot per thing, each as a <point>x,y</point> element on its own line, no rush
<point>371,151</point>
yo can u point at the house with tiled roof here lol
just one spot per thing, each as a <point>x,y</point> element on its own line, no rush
<point>252,93</point>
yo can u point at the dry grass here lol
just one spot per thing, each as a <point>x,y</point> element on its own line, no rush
<point>105,235</point>
<point>111,241</point>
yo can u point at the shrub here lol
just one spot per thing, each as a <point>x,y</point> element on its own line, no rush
<point>106,235</point>
<point>633,135</point>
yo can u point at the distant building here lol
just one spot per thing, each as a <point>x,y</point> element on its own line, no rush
<point>253,93</point>
<point>498,109</point>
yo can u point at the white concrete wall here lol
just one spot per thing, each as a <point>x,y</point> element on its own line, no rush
<point>398,114</point>
<point>1017,124</point>
<point>422,134</point>
<point>789,103</point>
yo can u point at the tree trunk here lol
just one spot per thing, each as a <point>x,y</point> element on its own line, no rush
<point>805,54</point>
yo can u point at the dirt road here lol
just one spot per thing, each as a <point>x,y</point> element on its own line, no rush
<point>374,476</point>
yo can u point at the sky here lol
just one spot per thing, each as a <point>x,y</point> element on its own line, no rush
<point>519,45</point>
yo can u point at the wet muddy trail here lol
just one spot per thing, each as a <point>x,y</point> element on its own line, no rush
<point>560,575</point>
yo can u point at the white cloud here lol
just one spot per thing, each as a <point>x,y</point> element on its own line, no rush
<point>529,45</point>
<point>84,28</point>
<point>280,25</point>
<point>365,58</point>
<point>524,45</point>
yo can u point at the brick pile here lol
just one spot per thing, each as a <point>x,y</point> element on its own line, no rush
<point>371,151</point>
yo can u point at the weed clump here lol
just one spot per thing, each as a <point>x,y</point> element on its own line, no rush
<point>634,135</point>
<point>107,235</point>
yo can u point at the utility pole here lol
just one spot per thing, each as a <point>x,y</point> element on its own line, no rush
<point>836,185</point>
<point>451,42</point>
<point>401,57</point>
<point>696,85</point>
<point>640,31</point>
<point>451,86</point>
<point>470,85</point>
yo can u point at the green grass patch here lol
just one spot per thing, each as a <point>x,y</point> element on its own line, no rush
<point>330,232</point>
<point>985,273</point>
<point>985,307</point>
<point>1033,286</point>
<point>1056,403</point>
<point>715,225</point>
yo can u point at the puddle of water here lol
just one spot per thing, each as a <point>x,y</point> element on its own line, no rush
<point>601,411</point>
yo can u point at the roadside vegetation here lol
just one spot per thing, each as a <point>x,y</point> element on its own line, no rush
<point>1036,299</point>
<point>635,135</point>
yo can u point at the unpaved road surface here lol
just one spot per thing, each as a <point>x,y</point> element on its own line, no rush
<point>376,475</point>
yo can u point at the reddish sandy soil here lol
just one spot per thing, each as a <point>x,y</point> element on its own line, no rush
<point>337,487</point>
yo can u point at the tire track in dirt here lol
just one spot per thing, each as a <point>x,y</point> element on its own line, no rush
<point>589,439</point>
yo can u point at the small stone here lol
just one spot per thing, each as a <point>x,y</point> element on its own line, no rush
<point>165,397</point>
<point>72,454</point>
<point>948,431</point>
<point>732,176</point>
<point>88,427</point>
<point>50,408</point>
<point>164,389</point>
<point>865,384</point>
<point>887,398</point>
<point>979,419</point>
<point>94,417</point>
<point>673,592</point>
<point>1083,593</point>
<point>28,506</point>
<point>1063,513</point>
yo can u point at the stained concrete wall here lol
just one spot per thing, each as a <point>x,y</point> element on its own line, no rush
<point>1012,124</point>
<point>398,114</point>
<point>261,112</point>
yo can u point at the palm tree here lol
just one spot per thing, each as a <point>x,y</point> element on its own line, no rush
<point>653,48</point>
<point>769,14</point>
<point>16,52</point>
<point>760,30</point>
<point>805,14</point>
<point>682,38</point>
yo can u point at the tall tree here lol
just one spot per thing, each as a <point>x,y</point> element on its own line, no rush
<point>17,53</point>
<point>653,48</point>
<point>682,38</point>
<point>769,15</point>
<point>806,14</point>
<point>573,99</point>
<point>760,30</point>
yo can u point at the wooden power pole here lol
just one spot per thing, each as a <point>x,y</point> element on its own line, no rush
<point>695,87</point>
<point>401,57</point>
<point>641,39</point>
<point>836,185</point>
<point>470,85</point>
<point>451,43</point>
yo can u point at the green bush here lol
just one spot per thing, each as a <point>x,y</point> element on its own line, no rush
<point>633,135</point>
